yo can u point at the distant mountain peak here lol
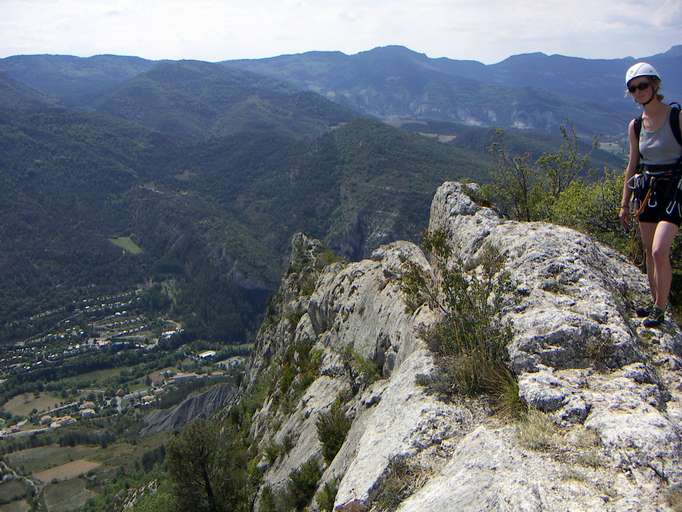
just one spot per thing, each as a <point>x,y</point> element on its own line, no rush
<point>394,49</point>
<point>674,51</point>
<point>533,56</point>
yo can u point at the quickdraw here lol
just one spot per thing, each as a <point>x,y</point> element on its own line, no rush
<point>671,206</point>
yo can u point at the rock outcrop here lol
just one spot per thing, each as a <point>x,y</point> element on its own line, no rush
<point>201,405</point>
<point>610,391</point>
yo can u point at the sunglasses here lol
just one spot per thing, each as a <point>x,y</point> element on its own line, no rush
<point>639,87</point>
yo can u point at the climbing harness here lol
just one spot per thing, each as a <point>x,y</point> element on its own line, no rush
<point>645,191</point>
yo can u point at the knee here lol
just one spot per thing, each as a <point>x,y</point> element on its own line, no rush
<point>660,255</point>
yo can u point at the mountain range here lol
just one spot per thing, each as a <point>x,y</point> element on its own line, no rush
<point>211,167</point>
<point>530,91</point>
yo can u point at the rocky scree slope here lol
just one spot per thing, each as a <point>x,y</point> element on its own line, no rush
<point>611,390</point>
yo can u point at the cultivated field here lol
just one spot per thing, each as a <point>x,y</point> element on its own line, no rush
<point>45,457</point>
<point>12,490</point>
<point>66,496</point>
<point>67,471</point>
<point>93,378</point>
<point>22,405</point>
<point>16,506</point>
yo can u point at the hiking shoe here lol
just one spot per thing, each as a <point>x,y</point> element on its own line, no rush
<point>643,311</point>
<point>655,317</point>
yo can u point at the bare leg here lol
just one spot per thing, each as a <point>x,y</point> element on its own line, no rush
<point>647,230</point>
<point>660,251</point>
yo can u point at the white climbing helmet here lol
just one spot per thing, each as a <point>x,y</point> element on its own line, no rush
<point>640,69</point>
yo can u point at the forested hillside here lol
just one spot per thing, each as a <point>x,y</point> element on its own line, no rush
<point>216,216</point>
<point>196,175</point>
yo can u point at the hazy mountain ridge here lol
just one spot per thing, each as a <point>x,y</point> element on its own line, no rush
<point>544,90</point>
<point>73,80</point>
<point>529,91</point>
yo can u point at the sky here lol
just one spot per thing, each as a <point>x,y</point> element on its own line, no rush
<point>214,30</point>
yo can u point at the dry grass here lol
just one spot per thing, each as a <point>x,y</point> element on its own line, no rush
<point>584,445</point>
<point>66,496</point>
<point>45,457</point>
<point>67,471</point>
<point>537,431</point>
<point>22,405</point>
<point>402,480</point>
<point>599,350</point>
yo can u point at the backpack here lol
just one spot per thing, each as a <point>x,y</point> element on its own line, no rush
<point>674,125</point>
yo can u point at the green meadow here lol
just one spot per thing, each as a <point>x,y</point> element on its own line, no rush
<point>127,244</point>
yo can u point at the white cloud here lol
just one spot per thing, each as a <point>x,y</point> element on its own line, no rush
<point>486,30</point>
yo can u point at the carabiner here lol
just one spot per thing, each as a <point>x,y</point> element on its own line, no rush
<point>635,179</point>
<point>671,207</point>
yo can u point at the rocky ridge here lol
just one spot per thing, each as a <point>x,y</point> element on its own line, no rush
<point>609,391</point>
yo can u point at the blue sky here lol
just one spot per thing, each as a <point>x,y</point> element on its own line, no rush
<point>213,30</point>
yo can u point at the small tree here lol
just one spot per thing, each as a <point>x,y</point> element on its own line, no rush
<point>208,467</point>
<point>332,428</point>
<point>526,189</point>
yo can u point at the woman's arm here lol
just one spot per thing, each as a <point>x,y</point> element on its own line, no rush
<point>633,162</point>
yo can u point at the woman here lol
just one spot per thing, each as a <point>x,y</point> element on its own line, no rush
<point>657,154</point>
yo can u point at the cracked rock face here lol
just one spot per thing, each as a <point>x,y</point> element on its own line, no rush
<point>579,357</point>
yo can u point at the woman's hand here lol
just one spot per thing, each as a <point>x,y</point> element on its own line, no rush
<point>624,217</point>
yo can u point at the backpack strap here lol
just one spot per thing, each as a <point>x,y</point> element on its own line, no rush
<point>638,131</point>
<point>675,122</point>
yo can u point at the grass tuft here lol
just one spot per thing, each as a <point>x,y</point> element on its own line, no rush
<point>402,479</point>
<point>537,431</point>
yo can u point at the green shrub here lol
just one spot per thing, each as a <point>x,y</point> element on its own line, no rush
<point>470,342</point>
<point>298,368</point>
<point>361,372</point>
<point>327,257</point>
<point>272,451</point>
<point>332,428</point>
<point>593,209</point>
<point>268,502</point>
<point>160,501</point>
<point>327,496</point>
<point>207,465</point>
<point>302,485</point>
<point>288,443</point>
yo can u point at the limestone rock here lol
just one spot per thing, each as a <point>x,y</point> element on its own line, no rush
<point>578,354</point>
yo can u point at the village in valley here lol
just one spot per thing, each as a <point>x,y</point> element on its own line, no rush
<point>77,391</point>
